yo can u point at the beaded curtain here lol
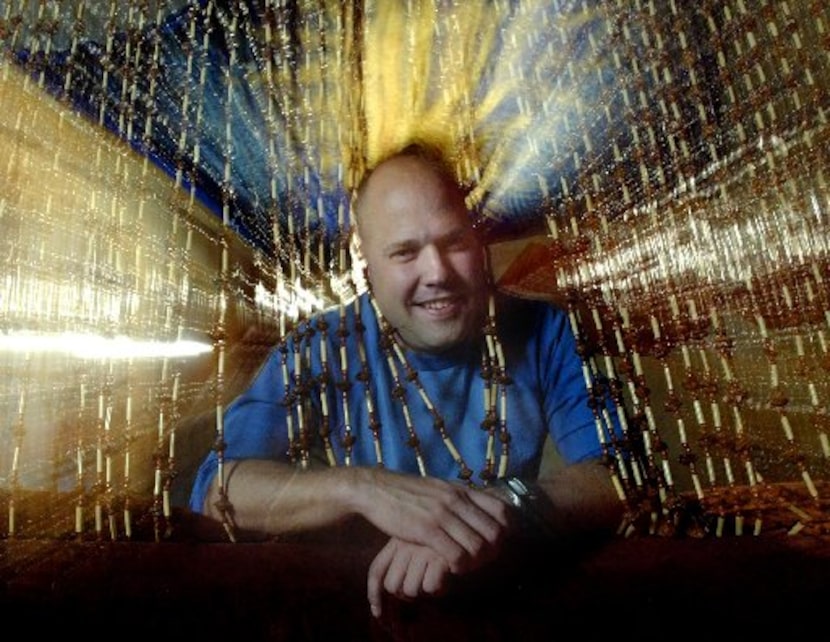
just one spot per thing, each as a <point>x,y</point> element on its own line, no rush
<point>174,194</point>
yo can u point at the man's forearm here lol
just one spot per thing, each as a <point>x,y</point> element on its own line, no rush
<point>579,498</point>
<point>461,524</point>
<point>275,498</point>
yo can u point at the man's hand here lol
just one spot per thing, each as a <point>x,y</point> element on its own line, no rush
<point>405,570</point>
<point>464,526</point>
<point>437,529</point>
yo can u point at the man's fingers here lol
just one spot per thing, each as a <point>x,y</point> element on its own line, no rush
<point>476,524</point>
<point>375,578</point>
<point>436,578</point>
<point>405,570</point>
<point>494,506</point>
<point>463,525</point>
<point>412,584</point>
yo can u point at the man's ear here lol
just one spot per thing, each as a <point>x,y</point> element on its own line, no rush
<point>355,247</point>
<point>360,269</point>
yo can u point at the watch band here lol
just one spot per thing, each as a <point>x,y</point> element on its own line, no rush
<point>525,500</point>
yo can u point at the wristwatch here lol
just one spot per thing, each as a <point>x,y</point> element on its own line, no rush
<point>529,504</point>
<point>517,491</point>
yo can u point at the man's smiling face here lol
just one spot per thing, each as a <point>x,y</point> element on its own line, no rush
<point>424,260</point>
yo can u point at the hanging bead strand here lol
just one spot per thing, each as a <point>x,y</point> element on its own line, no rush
<point>344,385</point>
<point>301,390</point>
<point>398,390</point>
<point>365,378</point>
<point>390,346</point>
<point>288,396</point>
<point>437,419</point>
<point>323,378</point>
<point>490,421</point>
<point>489,374</point>
<point>495,355</point>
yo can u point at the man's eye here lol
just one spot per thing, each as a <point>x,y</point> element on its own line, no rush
<point>402,253</point>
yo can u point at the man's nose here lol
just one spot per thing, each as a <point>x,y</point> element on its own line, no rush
<point>434,265</point>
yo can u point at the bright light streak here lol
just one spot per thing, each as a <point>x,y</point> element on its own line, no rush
<point>292,300</point>
<point>92,346</point>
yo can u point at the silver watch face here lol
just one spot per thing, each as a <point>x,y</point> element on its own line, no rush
<point>518,486</point>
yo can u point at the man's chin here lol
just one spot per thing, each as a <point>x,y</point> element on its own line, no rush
<point>435,341</point>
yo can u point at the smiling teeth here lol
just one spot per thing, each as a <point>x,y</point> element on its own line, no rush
<point>436,305</point>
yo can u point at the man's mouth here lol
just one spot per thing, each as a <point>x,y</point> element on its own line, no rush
<point>438,305</point>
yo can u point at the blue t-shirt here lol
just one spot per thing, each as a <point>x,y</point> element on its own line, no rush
<point>546,395</point>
